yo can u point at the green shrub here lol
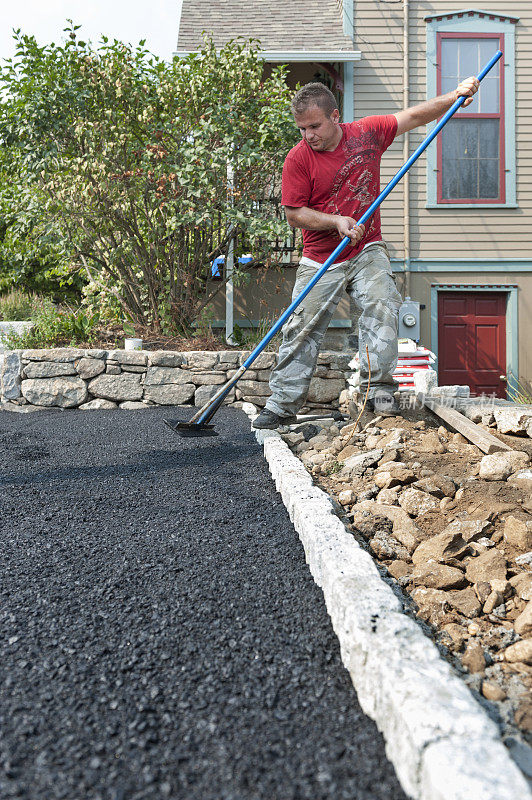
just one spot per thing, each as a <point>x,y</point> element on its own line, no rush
<point>333,468</point>
<point>55,326</point>
<point>17,306</point>
<point>249,338</point>
<point>139,171</point>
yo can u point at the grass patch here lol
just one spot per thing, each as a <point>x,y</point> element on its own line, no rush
<point>333,468</point>
<point>17,306</point>
<point>54,326</point>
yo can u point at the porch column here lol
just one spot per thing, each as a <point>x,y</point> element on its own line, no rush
<point>349,92</point>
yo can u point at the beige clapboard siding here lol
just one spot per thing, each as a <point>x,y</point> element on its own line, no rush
<point>490,232</point>
<point>379,35</point>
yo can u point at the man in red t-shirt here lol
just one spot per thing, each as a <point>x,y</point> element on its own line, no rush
<point>329,179</point>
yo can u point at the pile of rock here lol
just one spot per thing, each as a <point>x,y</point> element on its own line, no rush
<point>504,416</point>
<point>453,527</point>
<point>89,379</point>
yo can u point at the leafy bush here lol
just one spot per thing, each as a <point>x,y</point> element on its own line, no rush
<point>146,170</point>
<point>55,326</point>
<point>30,263</point>
<point>34,256</point>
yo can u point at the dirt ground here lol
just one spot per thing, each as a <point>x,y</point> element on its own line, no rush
<point>112,337</point>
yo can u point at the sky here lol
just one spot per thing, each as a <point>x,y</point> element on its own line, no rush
<point>128,20</point>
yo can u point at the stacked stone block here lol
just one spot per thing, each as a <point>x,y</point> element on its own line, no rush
<point>88,379</point>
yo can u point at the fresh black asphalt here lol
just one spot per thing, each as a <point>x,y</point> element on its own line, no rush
<point>160,634</point>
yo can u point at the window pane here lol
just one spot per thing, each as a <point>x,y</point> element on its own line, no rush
<point>468,141</point>
<point>489,177</point>
<point>489,137</point>
<point>488,48</point>
<point>450,138</point>
<point>470,160</point>
<point>464,57</point>
<point>448,85</point>
<point>449,58</point>
<point>489,96</point>
<point>450,181</point>
<point>468,178</point>
<point>468,58</point>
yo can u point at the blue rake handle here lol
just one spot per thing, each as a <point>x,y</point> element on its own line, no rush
<point>205,413</point>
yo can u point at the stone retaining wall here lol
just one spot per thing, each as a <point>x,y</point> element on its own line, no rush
<point>87,379</point>
<point>77,378</point>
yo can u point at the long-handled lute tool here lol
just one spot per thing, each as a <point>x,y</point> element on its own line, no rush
<point>198,425</point>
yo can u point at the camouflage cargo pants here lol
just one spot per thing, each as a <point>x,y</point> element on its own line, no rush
<point>368,280</point>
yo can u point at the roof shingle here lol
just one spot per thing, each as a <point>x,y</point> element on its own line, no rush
<point>278,24</point>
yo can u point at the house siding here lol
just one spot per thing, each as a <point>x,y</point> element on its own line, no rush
<point>482,232</point>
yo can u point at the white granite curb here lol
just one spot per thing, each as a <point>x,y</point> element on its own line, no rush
<point>441,742</point>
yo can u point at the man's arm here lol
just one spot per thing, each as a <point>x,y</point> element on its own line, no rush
<point>432,109</point>
<point>312,220</point>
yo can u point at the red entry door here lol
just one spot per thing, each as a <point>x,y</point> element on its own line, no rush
<point>472,340</point>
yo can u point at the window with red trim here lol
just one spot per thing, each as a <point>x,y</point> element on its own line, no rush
<point>471,146</point>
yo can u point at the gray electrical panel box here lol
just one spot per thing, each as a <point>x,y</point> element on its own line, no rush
<point>409,320</point>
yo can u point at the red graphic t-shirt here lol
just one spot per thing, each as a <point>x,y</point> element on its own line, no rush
<point>345,181</point>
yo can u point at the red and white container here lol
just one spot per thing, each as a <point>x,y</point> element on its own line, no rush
<point>412,357</point>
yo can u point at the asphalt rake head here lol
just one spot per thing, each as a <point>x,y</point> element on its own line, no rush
<point>190,429</point>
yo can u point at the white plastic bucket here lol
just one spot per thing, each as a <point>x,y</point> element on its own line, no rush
<point>133,344</point>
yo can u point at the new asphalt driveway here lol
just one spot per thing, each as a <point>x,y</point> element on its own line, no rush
<point>160,635</point>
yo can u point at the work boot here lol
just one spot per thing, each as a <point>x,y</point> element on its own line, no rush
<point>269,420</point>
<point>384,404</point>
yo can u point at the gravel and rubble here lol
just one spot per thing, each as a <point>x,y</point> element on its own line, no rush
<point>452,529</point>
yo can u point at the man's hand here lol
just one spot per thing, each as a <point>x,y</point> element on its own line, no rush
<point>348,227</point>
<point>467,88</point>
<point>311,220</point>
<point>427,112</point>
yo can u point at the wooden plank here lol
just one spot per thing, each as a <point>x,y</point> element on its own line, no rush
<point>482,439</point>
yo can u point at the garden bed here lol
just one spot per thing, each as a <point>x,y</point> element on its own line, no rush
<point>111,337</point>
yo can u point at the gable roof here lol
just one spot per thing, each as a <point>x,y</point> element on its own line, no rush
<point>279,25</point>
